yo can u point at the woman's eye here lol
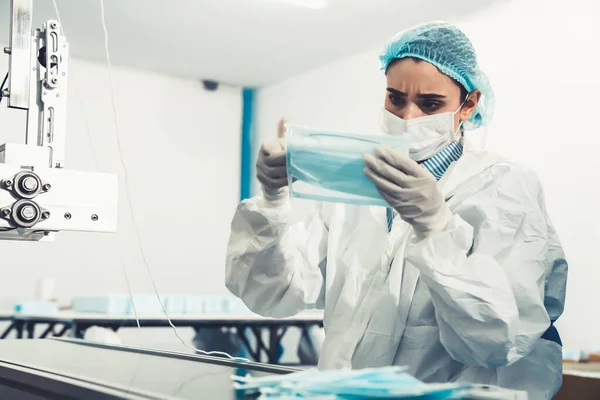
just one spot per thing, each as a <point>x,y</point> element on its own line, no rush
<point>430,106</point>
<point>395,100</point>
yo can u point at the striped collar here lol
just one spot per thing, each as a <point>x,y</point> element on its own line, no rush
<point>439,163</point>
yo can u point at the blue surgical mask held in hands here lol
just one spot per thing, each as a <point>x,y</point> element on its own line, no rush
<point>328,166</point>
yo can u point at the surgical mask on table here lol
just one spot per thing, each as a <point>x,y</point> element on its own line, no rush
<point>328,166</point>
<point>378,383</point>
<point>426,136</point>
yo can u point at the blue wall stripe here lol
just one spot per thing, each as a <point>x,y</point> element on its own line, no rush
<point>247,148</point>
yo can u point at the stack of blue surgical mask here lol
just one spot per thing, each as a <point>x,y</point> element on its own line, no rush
<point>328,166</point>
<point>380,383</point>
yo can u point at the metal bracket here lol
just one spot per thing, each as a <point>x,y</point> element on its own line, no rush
<point>54,93</point>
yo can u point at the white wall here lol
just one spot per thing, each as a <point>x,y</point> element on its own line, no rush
<point>181,145</point>
<point>542,60</point>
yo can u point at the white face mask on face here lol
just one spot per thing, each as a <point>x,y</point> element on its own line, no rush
<point>426,136</point>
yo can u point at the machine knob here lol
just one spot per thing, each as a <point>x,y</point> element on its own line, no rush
<point>28,213</point>
<point>25,213</point>
<point>30,184</point>
<point>25,185</point>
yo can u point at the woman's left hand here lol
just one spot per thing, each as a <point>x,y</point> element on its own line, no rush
<point>409,188</point>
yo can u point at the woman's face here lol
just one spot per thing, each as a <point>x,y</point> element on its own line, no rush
<point>416,88</point>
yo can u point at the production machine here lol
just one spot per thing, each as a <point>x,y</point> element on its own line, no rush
<point>39,196</point>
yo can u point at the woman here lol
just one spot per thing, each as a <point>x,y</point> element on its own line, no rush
<point>460,279</point>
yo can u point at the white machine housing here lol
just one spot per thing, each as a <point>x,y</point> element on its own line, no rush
<point>38,197</point>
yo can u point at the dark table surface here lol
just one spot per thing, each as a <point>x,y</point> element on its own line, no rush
<point>148,373</point>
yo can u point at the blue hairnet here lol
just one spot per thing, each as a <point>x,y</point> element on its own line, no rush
<point>451,51</point>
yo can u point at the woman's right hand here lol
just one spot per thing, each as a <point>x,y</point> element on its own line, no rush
<point>271,168</point>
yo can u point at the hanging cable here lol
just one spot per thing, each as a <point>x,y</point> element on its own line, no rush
<point>129,202</point>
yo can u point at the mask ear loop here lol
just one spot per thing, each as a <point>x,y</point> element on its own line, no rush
<point>462,132</point>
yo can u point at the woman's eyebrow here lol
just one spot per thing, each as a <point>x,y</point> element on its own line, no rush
<point>428,96</point>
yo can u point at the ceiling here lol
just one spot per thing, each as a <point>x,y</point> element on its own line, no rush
<point>240,42</point>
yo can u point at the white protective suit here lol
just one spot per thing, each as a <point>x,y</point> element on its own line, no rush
<point>467,304</point>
